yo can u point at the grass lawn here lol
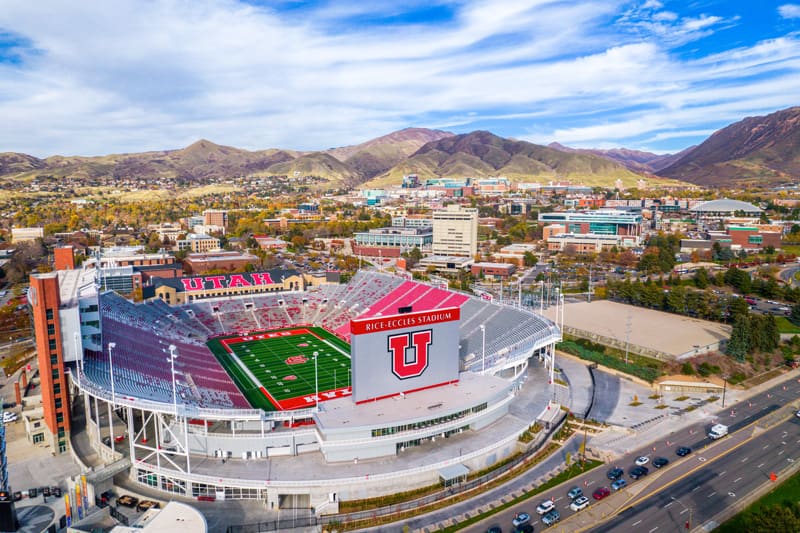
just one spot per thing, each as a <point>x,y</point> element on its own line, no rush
<point>788,491</point>
<point>784,326</point>
<point>275,370</point>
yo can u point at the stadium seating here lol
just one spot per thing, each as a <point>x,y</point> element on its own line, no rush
<point>144,332</point>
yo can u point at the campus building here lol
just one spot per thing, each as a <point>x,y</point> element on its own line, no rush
<point>455,231</point>
<point>599,222</point>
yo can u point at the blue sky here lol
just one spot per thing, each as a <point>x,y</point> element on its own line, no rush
<point>96,77</point>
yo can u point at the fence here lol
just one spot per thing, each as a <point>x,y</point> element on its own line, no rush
<point>411,505</point>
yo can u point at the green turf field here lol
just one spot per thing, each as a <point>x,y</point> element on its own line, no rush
<point>275,369</point>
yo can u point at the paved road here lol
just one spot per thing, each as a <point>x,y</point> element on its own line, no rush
<point>709,490</point>
<point>737,417</point>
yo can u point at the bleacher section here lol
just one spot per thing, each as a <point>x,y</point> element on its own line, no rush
<point>143,332</point>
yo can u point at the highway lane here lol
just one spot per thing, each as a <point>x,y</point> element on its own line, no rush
<point>712,488</point>
<point>735,416</point>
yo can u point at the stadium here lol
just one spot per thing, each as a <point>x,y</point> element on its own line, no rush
<point>268,386</point>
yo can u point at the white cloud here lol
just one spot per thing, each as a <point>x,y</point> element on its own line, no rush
<point>789,11</point>
<point>133,76</point>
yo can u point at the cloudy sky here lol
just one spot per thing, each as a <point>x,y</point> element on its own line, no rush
<point>98,76</point>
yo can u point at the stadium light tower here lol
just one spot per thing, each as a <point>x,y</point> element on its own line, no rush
<point>316,382</point>
<point>173,354</point>
<point>483,347</point>
<point>111,346</point>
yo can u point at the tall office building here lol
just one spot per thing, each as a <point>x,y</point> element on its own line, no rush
<point>44,297</point>
<point>455,231</point>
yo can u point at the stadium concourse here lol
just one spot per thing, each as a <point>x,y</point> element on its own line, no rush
<point>248,396</point>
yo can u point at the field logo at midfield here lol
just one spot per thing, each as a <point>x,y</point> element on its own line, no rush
<point>410,363</point>
<point>296,360</point>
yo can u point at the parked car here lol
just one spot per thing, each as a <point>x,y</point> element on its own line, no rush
<point>638,472</point>
<point>615,473</point>
<point>575,492</point>
<point>683,451</point>
<point>525,528</point>
<point>494,529</point>
<point>580,503</point>
<point>658,462</point>
<point>618,484</point>
<point>56,491</point>
<point>601,493</point>
<point>9,416</point>
<point>17,495</point>
<point>545,507</point>
<point>551,518</point>
<point>46,491</point>
<point>641,461</point>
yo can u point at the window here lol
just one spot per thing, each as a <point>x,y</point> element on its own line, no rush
<point>49,314</point>
<point>57,388</point>
<point>62,446</point>
<point>61,433</point>
<point>58,403</point>
<point>52,344</point>
<point>53,359</point>
<point>38,437</point>
<point>59,417</point>
<point>55,373</point>
<point>51,329</point>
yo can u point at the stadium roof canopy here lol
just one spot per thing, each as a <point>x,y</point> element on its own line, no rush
<point>726,205</point>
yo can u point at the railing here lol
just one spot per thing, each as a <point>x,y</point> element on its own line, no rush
<point>409,505</point>
<point>86,385</point>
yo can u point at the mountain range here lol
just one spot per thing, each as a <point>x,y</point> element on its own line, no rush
<point>757,150</point>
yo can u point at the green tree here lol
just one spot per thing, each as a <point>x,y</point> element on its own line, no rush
<point>701,279</point>
<point>740,339</point>
<point>794,317</point>
<point>529,259</point>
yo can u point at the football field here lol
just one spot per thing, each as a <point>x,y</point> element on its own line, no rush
<point>275,370</point>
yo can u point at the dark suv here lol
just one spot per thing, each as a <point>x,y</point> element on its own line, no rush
<point>658,462</point>
<point>638,472</point>
<point>615,473</point>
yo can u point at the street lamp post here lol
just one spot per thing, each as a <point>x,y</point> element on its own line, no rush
<point>173,354</point>
<point>316,382</point>
<point>111,346</point>
<point>724,389</point>
<point>483,348</point>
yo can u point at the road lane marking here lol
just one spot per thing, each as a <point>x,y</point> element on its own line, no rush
<point>710,495</point>
<point>722,473</point>
<point>697,487</point>
<point>745,459</point>
<point>651,531</point>
<point>636,523</point>
<point>780,452</point>
<point>670,503</point>
<point>765,447</point>
<point>759,466</point>
<point>558,499</point>
<point>684,511</point>
<point>590,483</point>
<point>737,480</point>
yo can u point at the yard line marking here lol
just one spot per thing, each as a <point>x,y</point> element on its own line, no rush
<point>737,480</point>
<point>710,495</point>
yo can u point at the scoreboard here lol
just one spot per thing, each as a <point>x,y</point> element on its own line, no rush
<point>397,354</point>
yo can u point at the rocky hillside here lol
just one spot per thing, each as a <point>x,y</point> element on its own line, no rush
<point>754,151</point>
